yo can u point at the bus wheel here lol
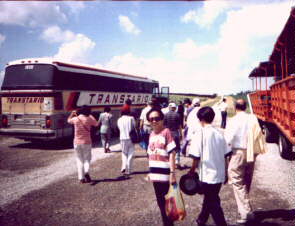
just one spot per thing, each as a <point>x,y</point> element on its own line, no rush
<point>271,134</point>
<point>285,147</point>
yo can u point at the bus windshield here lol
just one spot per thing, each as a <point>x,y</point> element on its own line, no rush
<point>28,76</point>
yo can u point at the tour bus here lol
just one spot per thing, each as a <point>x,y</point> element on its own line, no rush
<point>38,95</point>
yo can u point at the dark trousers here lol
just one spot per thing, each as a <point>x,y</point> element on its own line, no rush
<point>161,189</point>
<point>223,119</point>
<point>211,205</point>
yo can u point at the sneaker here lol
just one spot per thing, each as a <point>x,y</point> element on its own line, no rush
<point>82,181</point>
<point>87,178</point>
<point>123,171</point>
<point>241,221</point>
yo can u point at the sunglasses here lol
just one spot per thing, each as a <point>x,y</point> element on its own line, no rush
<point>156,119</point>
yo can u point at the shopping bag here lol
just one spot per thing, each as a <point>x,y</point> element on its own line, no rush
<point>174,204</point>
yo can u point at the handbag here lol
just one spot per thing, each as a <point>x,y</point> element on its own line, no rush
<point>134,134</point>
<point>174,204</point>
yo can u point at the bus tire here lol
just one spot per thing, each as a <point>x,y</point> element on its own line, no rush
<point>271,134</point>
<point>285,147</point>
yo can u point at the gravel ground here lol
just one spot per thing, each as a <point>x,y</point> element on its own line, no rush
<point>39,187</point>
<point>50,194</point>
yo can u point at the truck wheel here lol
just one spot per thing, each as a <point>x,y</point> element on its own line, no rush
<point>285,147</point>
<point>271,134</point>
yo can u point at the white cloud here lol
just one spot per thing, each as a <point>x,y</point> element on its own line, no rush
<point>246,37</point>
<point>205,16</point>
<point>76,50</point>
<point>75,7</point>
<point>30,13</point>
<point>128,26</point>
<point>2,39</point>
<point>55,34</point>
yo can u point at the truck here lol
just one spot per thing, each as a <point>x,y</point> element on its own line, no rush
<point>273,98</point>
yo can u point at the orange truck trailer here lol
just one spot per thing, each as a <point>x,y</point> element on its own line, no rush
<point>274,104</point>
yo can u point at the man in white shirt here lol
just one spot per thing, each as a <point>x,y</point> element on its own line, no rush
<point>223,109</point>
<point>240,172</point>
<point>209,151</point>
<point>193,122</point>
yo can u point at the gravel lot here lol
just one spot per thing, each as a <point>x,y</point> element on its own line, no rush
<point>39,186</point>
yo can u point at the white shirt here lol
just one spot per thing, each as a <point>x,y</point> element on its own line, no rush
<point>143,115</point>
<point>209,145</point>
<point>165,110</point>
<point>125,124</point>
<point>236,132</point>
<point>192,122</point>
<point>222,106</point>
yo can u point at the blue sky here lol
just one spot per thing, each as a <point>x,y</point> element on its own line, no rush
<point>200,47</point>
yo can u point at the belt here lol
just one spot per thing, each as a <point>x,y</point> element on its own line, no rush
<point>241,149</point>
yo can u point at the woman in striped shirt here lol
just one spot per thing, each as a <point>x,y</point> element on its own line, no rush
<point>161,159</point>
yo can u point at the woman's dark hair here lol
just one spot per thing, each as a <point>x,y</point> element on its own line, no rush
<point>187,101</point>
<point>241,105</point>
<point>84,110</point>
<point>125,112</point>
<point>156,109</point>
<point>107,109</point>
<point>206,114</point>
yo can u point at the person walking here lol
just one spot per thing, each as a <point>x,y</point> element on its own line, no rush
<point>145,126</point>
<point>83,121</point>
<point>125,124</point>
<point>193,122</point>
<point>239,136</point>
<point>105,122</point>
<point>180,111</point>
<point>161,156</point>
<point>172,121</point>
<point>223,109</point>
<point>209,151</point>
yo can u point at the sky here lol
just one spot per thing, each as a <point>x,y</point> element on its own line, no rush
<point>193,47</point>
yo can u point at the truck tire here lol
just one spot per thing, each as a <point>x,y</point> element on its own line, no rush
<point>285,147</point>
<point>271,134</point>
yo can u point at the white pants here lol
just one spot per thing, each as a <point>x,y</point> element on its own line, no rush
<point>83,159</point>
<point>127,155</point>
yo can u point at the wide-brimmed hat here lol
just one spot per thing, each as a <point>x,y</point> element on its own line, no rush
<point>190,184</point>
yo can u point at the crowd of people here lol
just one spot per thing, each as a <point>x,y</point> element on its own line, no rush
<point>219,154</point>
